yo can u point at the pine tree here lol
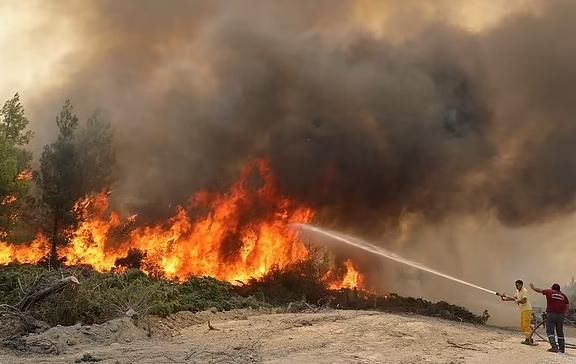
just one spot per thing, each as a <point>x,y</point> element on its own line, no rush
<point>15,162</point>
<point>59,178</point>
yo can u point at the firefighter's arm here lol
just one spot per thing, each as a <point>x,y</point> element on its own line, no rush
<point>503,297</point>
<point>539,290</point>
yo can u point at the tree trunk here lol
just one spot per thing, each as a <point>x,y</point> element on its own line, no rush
<point>54,248</point>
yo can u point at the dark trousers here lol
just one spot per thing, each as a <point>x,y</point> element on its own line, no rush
<point>555,321</point>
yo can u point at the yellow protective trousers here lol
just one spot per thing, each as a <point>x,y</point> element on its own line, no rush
<point>525,320</point>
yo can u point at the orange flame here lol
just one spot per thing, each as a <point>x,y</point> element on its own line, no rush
<point>243,235</point>
<point>25,176</point>
<point>352,278</point>
<point>8,200</point>
<point>29,253</point>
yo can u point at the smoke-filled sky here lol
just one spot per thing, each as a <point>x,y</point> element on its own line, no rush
<point>378,113</point>
<point>365,108</point>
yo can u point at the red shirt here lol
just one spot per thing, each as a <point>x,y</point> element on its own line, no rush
<point>556,301</point>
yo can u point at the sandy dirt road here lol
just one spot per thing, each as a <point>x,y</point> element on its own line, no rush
<point>326,337</point>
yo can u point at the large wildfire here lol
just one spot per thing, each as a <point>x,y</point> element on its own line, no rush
<point>234,236</point>
<point>391,120</point>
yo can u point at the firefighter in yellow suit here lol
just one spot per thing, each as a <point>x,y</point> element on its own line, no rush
<point>521,298</point>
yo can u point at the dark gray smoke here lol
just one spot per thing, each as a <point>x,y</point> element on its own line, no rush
<point>363,127</point>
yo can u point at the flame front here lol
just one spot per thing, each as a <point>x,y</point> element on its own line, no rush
<point>234,236</point>
<point>243,234</point>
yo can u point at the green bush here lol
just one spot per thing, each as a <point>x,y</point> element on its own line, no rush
<point>103,296</point>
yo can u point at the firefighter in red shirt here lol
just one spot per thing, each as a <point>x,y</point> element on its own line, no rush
<point>556,308</point>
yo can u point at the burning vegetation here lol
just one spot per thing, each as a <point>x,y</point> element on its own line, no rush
<point>351,278</point>
<point>233,236</point>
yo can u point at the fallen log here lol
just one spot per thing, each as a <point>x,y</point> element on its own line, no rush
<point>13,321</point>
<point>16,321</point>
<point>35,296</point>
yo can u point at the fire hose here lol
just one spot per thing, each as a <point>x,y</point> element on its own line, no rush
<point>542,324</point>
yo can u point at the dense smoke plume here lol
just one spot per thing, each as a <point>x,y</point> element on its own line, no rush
<point>408,117</point>
<point>431,119</point>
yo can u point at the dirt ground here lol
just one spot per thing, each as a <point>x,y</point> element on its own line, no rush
<point>251,337</point>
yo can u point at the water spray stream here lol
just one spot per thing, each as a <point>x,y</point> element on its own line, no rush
<point>361,244</point>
